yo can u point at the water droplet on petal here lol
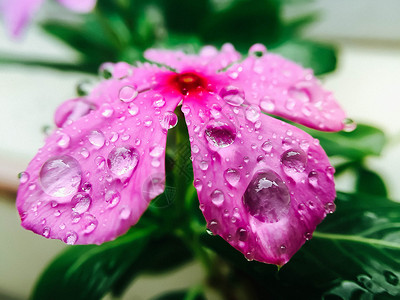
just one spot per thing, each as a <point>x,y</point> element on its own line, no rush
<point>168,120</point>
<point>153,187</point>
<point>112,198</point>
<point>241,234</point>
<point>267,104</point>
<point>267,146</point>
<point>232,95</point>
<point>156,151</point>
<point>63,140</point>
<point>203,165</point>
<point>267,197</point>
<point>330,171</point>
<point>220,134</point>
<point>212,227</point>
<point>232,176</point>
<point>81,202</point>
<point>147,121</point>
<point>71,238</point>
<point>252,113</point>
<point>122,161</point>
<point>158,100</point>
<point>133,109</point>
<point>46,232</point>
<point>198,184</point>
<point>185,109</point>
<point>308,236</point>
<point>96,138</point>
<point>23,177</point>
<point>313,178</point>
<point>127,93</point>
<point>349,125</point>
<point>86,187</point>
<point>60,176</point>
<point>300,92</point>
<point>217,197</point>
<point>106,110</point>
<point>330,208</point>
<point>89,223</point>
<point>125,213</point>
<point>294,161</point>
<point>257,50</point>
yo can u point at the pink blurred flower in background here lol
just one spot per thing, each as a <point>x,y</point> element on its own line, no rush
<point>263,184</point>
<point>17,14</point>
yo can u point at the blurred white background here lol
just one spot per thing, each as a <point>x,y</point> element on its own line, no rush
<point>366,83</point>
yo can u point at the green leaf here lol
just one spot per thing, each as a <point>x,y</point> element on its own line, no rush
<point>363,141</point>
<point>359,243</point>
<point>369,182</point>
<point>90,271</point>
<point>194,294</point>
<point>319,57</point>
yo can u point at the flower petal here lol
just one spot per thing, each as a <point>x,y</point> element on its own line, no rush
<point>95,176</point>
<point>82,6</point>
<point>209,58</point>
<point>263,184</point>
<point>285,89</point>
<point>17,13</point>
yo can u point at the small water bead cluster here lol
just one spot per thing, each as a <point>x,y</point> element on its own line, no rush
<point>263,185</point>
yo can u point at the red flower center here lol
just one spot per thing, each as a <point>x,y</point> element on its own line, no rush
<point>188,82</point>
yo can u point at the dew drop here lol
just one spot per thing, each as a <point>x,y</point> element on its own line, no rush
<point>349,125</point>
<point>300,93</point>
<point>153,187</point>
<point>313,178</point>
<point>106,110</point>
<point>158,100</point>
<point>122,161</point>
<point>156,151</point>
<point>217,197</point>
<point>257,50</point>
<point>267,104</point>
<point>112,198</point>
<point>23,177</point>
<point>252,113</point>
<point>46,232</point>
<point>89,223</point>
<point>133,109</point>
<point>232,95</point>
<point>294,161</point>
<point>232,176</point>
<point>125,213</point>
<point>203,165</point>
<point>63,140</point>
<point>267,197</point>
<point>198,184</point>
<point>220,134</point>
<point>127,93</point>
<point>308,236</point>
<point>212,227</point>
<point>168,120</point>
<point>185,109</point>
<point>86,187</point>
<point>60,176</point>
<point>266,146</point>
<point>96,138</point>
<point>330,171</point>
<point>147,121</point>
<point>330,208</point>
<point>81,202</point>
<point>71,238</point>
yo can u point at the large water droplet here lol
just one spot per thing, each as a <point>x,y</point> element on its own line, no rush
<point>349,125</point>
<point>300,92</point>
<point>313,178</point>
<point>267,146</point>
<point>198,184</point>
<point>232,176</point>
<point>232,95</point>
<point>63,140</point>
<point>125,213</point>
<point>252,113</point>
<point>267,104</point>
<point>330,208</point>
<point>122,161</point>
<point>220,134</point>
<point>106,110</point>
<point>112,198</point>
<point>168,120</point>
<point>60,176</point>
<point>158,100</point>
<point>203,165</point>
<point>133,109</point>
<point>81,202</point>
<point>96,138</point>
<point>258,50</point>
<point>294,161</point>
<point>127,93</point>
<point>156,151</point>
<point>267,197</point>
<point>71,238</point>
<point>89,223</point>
<point>217,197</point>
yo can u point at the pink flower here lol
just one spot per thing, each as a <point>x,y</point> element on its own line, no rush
<point>18,13</point>
<point>263,184</point>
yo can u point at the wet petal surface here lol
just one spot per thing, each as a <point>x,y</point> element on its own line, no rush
<point>283,88</point>
<point>277,183</point>
<point>95,176</point>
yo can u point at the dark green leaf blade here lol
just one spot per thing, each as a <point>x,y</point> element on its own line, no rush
<point>369,182</point>
<point>181,295</point>
<point>92,270</point>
